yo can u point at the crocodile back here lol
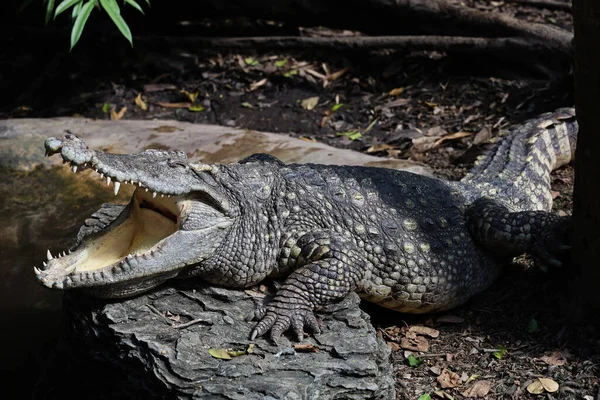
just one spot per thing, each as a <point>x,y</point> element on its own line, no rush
<point>516,171</point>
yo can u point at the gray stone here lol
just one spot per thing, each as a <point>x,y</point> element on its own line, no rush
<point>139,336</point>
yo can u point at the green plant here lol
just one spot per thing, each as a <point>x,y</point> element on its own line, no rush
<point>81,10</point>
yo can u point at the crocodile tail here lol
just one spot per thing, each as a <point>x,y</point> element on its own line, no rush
<point>516,171</point>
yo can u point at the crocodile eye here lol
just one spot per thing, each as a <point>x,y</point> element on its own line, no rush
<point>177,164</point>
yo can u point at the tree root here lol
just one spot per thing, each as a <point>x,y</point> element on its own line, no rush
<point>548,4</point>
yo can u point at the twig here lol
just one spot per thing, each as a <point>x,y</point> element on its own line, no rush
<point>160,314</point>
<point>189,323</point>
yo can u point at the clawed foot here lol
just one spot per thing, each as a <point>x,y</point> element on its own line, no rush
<point>552,244</point>
<point>280,317</point>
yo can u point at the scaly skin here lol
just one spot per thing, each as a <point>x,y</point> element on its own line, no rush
<point>405,241</point>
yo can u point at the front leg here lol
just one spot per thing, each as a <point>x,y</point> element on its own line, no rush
<point>329,269</point>
<point>542,234</point>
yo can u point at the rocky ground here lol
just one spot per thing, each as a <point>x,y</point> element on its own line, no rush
<point>426,106</point>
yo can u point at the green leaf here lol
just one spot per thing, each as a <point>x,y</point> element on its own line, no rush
<point>246,105</point>
<point>500,353</point>
<point>112,9</point>
<point>425,396</point>
<point>49,10</point>
<point>352,135</point>
<point>414,361</point>
<point>196,107</point>
<point>250,61</point>
<point>336,107</point>
<point>76,10</point>
<point>64,5</point>
<point>281,63</point>
<point>222,354</point>
<point>532,326</point>
<point>79,23</point>
<point>291,73</point>
<point>135,5</point>
<point>106,108</point>
<point>371,125</point>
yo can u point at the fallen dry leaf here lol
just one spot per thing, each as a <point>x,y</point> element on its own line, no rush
<point>393,346</point>
<point>184,104</point>
<point>482,136</point>
<point>418,343</point>
<point>423,144</point>
<point>478,389</point>
<point>456,135</point>
<point>557,358</point>
<point>310,103</point>
<point>191,96</point>
<point>140,103</point>
<point>379,147</point>
<point>337,74</point>
<point>394,103</point>
<point>158,87</point>
<point>448,379</point>
<point>436,131</point>
<point>396,91</point>
<point>115,116</point>
<point>256,85</point>
<point>424,330</point>
<point>542,385</point>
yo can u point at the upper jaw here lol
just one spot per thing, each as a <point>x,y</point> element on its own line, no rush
<point>158,171</point>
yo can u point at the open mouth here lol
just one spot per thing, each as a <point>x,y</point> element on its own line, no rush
<point>137,232</point>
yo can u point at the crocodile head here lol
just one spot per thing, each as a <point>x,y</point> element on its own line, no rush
<point>178,215</point>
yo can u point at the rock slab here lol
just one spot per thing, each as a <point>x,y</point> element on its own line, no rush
<point>140,337</point>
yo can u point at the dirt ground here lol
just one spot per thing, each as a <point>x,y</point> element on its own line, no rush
<point>438,109</point>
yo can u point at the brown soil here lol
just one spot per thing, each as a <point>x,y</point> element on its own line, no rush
<point>436,108</point>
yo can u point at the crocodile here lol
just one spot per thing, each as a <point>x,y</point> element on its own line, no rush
<point>407,242</point>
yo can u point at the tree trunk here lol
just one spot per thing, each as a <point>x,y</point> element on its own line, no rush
<point>586,203</point>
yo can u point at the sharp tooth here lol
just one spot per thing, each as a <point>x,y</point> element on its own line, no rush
<point>153,194</point>
<point>101,175</point>
<point>75,168</point>
<point>63,254</point>
<point>49,255</point>
<point>107,180</point>
<point>162,195</point>
<point>37,270</point>
<point>146,189</point>
<point>44,263</point>
<point>117,186</point>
